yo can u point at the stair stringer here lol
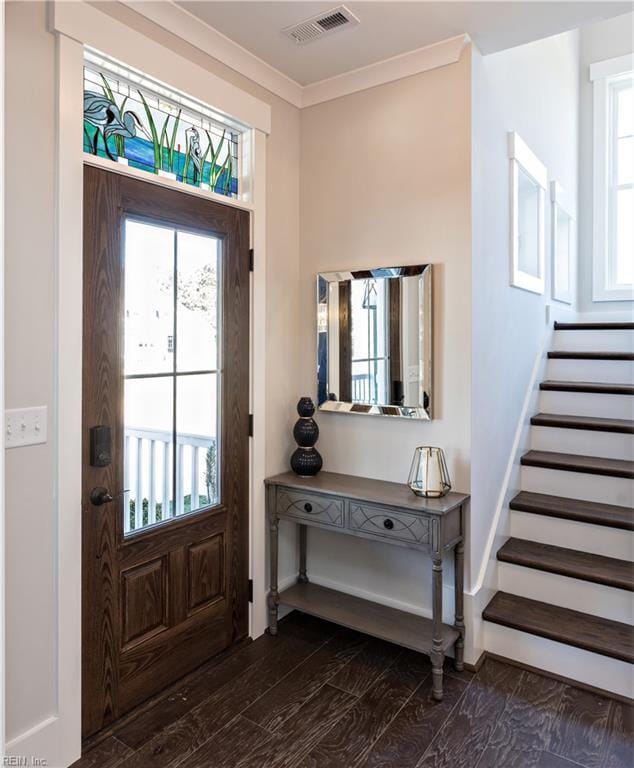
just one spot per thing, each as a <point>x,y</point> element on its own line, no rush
<point>486,584</point>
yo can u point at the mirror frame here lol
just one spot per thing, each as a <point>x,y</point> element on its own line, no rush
<point>367,409</point>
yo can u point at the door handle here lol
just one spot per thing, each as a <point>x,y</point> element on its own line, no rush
<point>100,496</point>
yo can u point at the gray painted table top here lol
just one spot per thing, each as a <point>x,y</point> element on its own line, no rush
<point>367,489</point>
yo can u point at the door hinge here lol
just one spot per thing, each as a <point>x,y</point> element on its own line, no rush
<point>250,590</point>
<point>251,259</point>
<point>250,425</point>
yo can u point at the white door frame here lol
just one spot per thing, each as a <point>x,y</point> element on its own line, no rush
<point>2,486</point>
<point>58,738</point>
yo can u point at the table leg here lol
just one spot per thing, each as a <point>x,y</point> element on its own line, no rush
<point>459,610</point>
<point>437,652</point>
<point>303,531</point>
<point>273,596</point>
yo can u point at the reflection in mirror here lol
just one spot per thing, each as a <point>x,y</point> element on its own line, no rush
<point>374,339</point>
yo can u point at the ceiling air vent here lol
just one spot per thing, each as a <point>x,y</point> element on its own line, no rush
<point>322,24</point>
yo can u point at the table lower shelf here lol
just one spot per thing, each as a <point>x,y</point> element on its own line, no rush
<point>406,629</point>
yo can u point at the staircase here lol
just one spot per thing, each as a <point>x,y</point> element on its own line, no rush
<point>565,575</point>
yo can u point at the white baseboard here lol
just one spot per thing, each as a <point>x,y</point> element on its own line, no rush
<point>559,659</point>
<point>44,742</point>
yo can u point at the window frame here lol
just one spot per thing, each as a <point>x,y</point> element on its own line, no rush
<point>171,100</point>
<point>560,202</point>
<point>606,77</point>
<point>373,360</point>
<point>522,157</point>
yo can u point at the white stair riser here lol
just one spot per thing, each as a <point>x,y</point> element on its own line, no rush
<point>585,667</point>
<point>579,485</point>
<point>587,404</point>
<point>594,341</point>
<point>584,537</point>
<point>576,594</point>
<point>608,445</point>
<point>605,371</point>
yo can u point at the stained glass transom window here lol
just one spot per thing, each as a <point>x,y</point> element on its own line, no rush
<point>131,119</point>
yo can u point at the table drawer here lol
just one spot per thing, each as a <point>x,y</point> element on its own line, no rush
<point>324,510</point>
<point>385,523</point>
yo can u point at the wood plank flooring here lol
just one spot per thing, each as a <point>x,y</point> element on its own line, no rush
<point>319,695</point>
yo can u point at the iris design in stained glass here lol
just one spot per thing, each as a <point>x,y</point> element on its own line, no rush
<point>143,128</point>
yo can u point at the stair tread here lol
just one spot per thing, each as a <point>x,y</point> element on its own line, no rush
<point>594,423</point>
<point>568,562</point>
<point>574,354</point>
<point>572,462</point>
<point>588,386</point>
<point>581,630</point>
<point>594,326</point>
<point>597,513</point>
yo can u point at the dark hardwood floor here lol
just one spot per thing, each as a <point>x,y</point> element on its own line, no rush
<point>319,696</point>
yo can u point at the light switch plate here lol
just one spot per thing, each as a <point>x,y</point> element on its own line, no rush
<point>24,426</point>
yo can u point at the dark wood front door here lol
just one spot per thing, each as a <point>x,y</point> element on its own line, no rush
<point>165,438</point>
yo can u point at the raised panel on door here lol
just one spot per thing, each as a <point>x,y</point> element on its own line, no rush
<point>205,573</point>
<point>144,594</point>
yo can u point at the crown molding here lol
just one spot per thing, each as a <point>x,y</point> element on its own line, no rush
<point>386,71</point>
<point>90,26</point>
<point>177,20</point>
<point>180,22</point>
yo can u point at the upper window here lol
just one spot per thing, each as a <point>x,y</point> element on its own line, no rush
<point>613,241</point>
<point>131,119</point>
<point>621,180</point>
<point>527,208</point>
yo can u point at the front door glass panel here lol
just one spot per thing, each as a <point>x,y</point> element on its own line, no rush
<point>172,373</point>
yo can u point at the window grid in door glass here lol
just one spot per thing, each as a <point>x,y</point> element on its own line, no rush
<point>172,373</point>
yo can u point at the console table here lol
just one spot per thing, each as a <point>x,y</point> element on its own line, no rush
<point>381,511</point>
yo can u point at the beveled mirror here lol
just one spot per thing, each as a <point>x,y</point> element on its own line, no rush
<point>374,341</point>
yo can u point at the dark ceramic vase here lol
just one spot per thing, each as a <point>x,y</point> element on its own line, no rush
<point>306,432</point>
<point>305,407</point>
<point>306,460</point>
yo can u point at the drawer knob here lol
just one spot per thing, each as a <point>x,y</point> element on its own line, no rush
<point>308,507</point>
<point>389,524</point>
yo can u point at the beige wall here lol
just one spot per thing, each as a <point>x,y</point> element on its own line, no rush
<point>385,180</point>
<point>29,319</point>
<point>29,374</point>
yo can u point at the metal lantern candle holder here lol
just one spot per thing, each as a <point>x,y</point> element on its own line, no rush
<point>429,476</point>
